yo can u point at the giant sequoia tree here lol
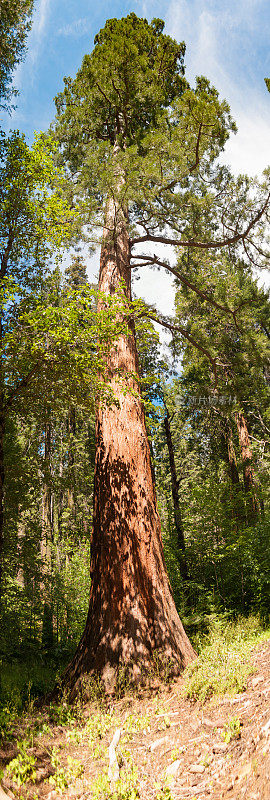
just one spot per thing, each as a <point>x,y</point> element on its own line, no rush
<point>140,146</point>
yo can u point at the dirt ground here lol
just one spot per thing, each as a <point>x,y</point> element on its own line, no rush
<point>180,749</point>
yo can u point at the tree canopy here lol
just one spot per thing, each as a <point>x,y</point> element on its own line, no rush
<point>15,23</point>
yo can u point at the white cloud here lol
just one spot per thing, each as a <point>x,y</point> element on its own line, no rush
<point>214,32</point>
<point>41,17</point>
<point>154,287</point>
<point>219,38</point>
<point>24,71</point>
<point>77,28</point>
<point>249,151</point>
<point>40,20</point>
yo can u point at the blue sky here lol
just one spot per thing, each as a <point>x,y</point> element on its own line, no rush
<point>226,40</point>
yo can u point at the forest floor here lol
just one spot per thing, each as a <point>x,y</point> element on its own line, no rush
<point>170,747</point>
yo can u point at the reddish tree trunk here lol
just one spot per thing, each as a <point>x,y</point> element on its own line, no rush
<point>251,488</point>
<point>131,612</point>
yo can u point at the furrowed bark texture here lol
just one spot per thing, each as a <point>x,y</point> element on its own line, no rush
<point>131,612</point>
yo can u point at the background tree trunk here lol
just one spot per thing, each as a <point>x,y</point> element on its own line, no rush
<point>46,542</point>
<point>250,484</point>
<point>2,480</point>
<point>237,487</point>
<point>71,426</point>
<point>132,611</point>
<point>176,505</point>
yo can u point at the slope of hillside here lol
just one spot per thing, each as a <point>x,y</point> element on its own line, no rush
<point>170,748</point>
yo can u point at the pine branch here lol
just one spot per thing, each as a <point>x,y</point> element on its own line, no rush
<point>149,260</point>
<point>209,245</point>
<point>178,329</point>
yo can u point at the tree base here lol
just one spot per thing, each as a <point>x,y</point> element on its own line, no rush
<point>101,670</point>
<point>115,682</point>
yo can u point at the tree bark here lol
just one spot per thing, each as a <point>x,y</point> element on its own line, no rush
<point>234,474</point>
<point>131,612</point>
<point>2,480</point>
<point>250,484</point>
<point>71,427</point>
<point>46,541</point>
<point>176,505</point>
<point>2,454</point>
<point>238,502</point>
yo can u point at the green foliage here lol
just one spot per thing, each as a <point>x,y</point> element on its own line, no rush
<point>64,774</point>
<point>163,791</point>
<point>35,219</point>
<point>133,71</point>
<point>227,545</point>
<point>15,22</point>
<point>98,725</point>
<point>92,689</point>
<point>232,730</point>
<point>224,661</point>
<point>43,340</point>
<point>24,680</point>
<point>126,788</point>
<point>8,718</point>
<point>64,713</point>
<point>135,723</point>
<point>128,112</point>
<point>161,666</point>
<point>164,136</point>
<point>223,308</point>
<point>22,768</point>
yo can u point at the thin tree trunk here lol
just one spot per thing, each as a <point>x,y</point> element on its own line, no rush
<point>2,462</point>
<point>238,503</point>
<point>61,492</point>
<point>176,505</point>
<point>234,474</point>
<point>46,542</point>
<point>250,484</point>
<point>2,480</point>
<point>131,613</point>
<point>20,538</point>
<point>71,425</point>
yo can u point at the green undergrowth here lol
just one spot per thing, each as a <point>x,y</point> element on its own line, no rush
<point>224,657</point>
<point>223,665</point>
<point>21,769</point>
<point>24,680</point>
<point>93,734</point>
<point>126,788</point>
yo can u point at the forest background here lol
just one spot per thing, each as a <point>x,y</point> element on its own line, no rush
<point>210,453</point>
